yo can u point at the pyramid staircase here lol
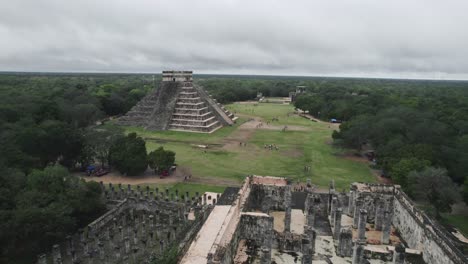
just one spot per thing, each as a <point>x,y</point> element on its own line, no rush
<point>141,112</point>
<point>191,113</point>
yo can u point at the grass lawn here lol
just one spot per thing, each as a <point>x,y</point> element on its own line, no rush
<point>310,145</point>
<point>183,187</point>
<point>459,221</point>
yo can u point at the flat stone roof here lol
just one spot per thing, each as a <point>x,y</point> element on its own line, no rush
<point>206,237</point>
<point>269,180</point>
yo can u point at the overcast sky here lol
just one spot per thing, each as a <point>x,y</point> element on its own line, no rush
<point>370,38</point>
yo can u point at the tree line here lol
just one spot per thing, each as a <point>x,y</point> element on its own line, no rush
<point>47,131</point>
<point>418,131</point>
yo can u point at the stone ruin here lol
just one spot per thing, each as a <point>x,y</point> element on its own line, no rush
<point>178,104</point>
<point>140,226</point>
<point>266,220</point>
<point>273,221</point>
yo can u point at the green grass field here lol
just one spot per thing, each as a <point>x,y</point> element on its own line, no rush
<point>458,221</point>
<point>183,187</point>
<point>308,146</point>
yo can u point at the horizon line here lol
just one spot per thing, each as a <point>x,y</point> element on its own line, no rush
<point>236,74</point>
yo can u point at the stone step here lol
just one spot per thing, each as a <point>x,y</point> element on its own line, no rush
<point>188,95</point>
<point>196,111</point>
<point>207,128</point>
<point>188,116</point>
<point>193,122</point>
<point>190,105</point>
<point>189,100</point>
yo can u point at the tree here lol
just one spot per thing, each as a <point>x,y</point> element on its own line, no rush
<point>128,155</point>
<point>98,143</point>
<point>161,159</point>
<point>465,192</point>
<point>399,172</point>
<point>41,209</point>
<point>433,185</point>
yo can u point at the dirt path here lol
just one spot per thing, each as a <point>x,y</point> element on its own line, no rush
<point>247,129</point>
<point>150,178</point>
<point>243,133</point>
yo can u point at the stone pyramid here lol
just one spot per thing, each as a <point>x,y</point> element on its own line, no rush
<point>178,105</point>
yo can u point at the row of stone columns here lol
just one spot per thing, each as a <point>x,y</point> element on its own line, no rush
<point>122,239</point>
<point>309,237</point>
<point>121,193</point>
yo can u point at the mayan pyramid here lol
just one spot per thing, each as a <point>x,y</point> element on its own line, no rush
<point>180,105</point>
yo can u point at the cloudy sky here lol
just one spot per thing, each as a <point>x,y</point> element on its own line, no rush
<point>370,38</point>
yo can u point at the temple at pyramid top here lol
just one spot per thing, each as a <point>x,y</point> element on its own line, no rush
<point>178,104</point>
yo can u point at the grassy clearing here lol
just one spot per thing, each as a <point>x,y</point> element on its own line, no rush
<point>296,149</point>
<point>459,221</point>
<point>269,111</point>
<point>183,187</point>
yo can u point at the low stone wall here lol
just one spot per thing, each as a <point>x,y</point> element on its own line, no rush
<point>422,233</point>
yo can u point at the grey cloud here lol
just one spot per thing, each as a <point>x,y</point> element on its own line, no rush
<point>400,38</point>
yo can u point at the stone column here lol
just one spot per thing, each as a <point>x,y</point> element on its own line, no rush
<point>357,207</point>
<point>306,250</point>
<point>333,206</point>
<point>287,209</point>
<point>362,225</point>
<point>345,243</point>
<point>331,193</point>
<point>337,223</point>
<point>267,241</point>
<point>161,246</point>
<point>69,245</point>
<point>265,255</point>
<point>42,259</point>
<point>102,253</point>
<point>379,214</point>
<point>351,203</point>
<point>358,253</point>
<point>399,254</point>
<point>310,210</point>
<point>386,227</point>
<point>57,256</point>
<point>127,245</point>
<point>312,235</point>
<point>117,255</point>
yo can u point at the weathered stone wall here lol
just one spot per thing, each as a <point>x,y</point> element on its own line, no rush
<point>164,107</point>
<point>266,198</point>
<point>421,232</point>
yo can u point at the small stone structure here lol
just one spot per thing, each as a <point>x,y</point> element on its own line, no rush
<point>178,105</point>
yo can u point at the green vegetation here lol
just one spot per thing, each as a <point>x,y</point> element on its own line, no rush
<point>457,220</point>
<point>433,185</point>
<point>161,159</point>
<point>184,187</point>
<point>224,161</point>
<point>46,120</point>
<point>128,155</point>
<point>41,209</point>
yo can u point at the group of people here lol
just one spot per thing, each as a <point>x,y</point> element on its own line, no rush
<point>271,147</point>
<point>307,168</point>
